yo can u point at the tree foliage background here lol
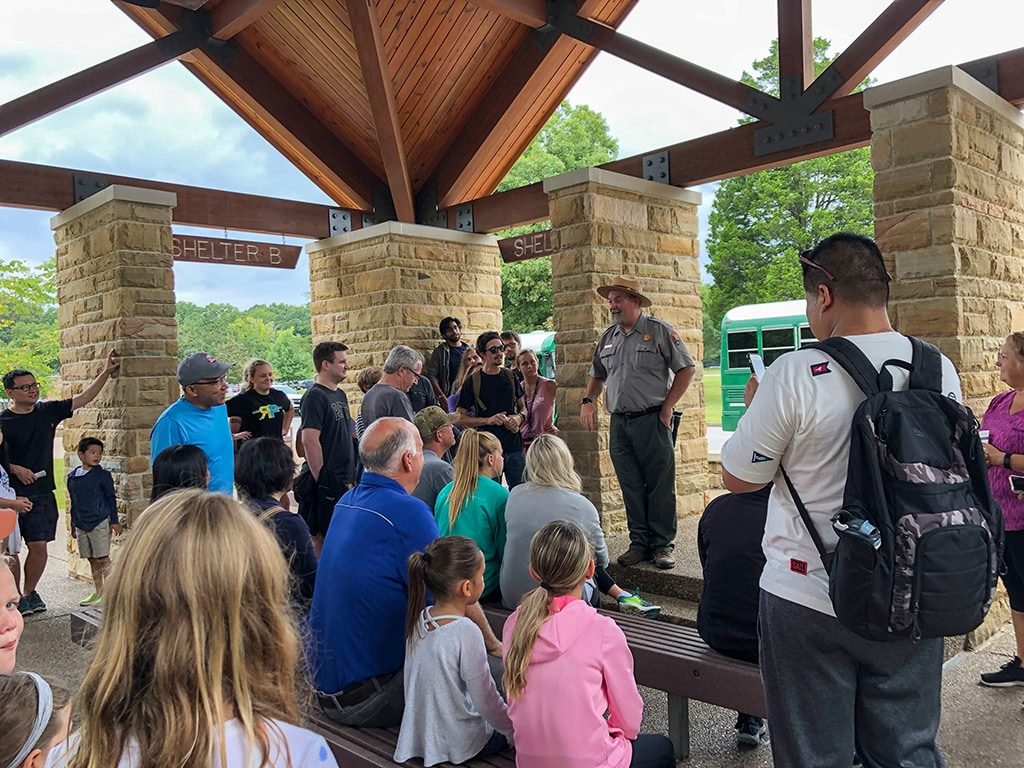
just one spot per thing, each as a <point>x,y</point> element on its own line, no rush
<point>759,223</point>
<point>574,137</point>
<point>29,337</point>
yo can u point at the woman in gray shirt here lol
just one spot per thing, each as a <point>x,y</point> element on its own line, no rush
<point>551,491</point>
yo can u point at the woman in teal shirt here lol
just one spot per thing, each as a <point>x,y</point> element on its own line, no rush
<point>473,504</point>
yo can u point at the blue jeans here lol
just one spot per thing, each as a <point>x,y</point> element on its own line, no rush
<point>515,463</point>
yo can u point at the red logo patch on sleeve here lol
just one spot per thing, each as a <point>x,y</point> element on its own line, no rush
<point>798,566</point>
<point>820,368</point>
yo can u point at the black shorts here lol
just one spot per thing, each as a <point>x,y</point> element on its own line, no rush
<point>1013,579</point>
<point>318,509</point>
<point>40,522</point>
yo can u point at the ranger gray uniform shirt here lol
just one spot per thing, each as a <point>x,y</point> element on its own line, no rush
<point>637,367</point>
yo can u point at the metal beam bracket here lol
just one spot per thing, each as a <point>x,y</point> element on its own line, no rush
<point>656,167</point>
<point>985,72</point>
<point>426,208</point>
<point>796,133</point>
<point>339,222</point>
<point>464,218</point>
<point>87,185</point>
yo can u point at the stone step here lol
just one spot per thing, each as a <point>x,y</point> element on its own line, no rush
<point>673,609</point>
<point>683,582</point>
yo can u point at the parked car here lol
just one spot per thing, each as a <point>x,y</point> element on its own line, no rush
<point>293,395</point>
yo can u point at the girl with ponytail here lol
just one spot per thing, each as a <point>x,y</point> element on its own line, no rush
<point>473,504</point>
<point>453,711</point>
<point>555,636</point>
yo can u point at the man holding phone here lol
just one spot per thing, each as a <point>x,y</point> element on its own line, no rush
<point>29,426</point>
<point>647,369</point>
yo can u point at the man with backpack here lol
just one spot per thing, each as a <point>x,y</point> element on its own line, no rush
<point>878,472</point>
<point>495,397</point>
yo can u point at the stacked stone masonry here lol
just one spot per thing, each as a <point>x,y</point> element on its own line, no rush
<point>949,217</point>
<point>115,290</point>
<point>604,226</point>
<point>392,284</point>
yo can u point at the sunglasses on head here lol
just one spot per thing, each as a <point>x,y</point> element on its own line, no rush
<point>805,263</point>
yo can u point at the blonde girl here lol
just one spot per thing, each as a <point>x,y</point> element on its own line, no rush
<point>453,712</point>
<point>555,636</point>
<point>34,718</point>
<point>539,398</point>
<point>195,664</point>
<point>259,410</point>
<point>473,504</point>
<point>470,362</point>
<point>12,623</point>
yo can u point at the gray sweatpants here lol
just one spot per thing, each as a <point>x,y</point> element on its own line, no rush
<point>830,690</point>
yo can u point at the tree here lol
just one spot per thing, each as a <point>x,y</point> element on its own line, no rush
<point>759,223</point>
<point>574,137</point>
<point>29,337</point>
<point>291,355</point>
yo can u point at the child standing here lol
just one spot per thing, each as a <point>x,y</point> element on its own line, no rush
<point>34,718</point>
<point>93,512</point>
<point>12,624</point>
<point>453,711</point>
<point>554,637</point>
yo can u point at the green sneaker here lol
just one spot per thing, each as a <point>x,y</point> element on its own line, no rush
<point>92,599</point>
<point>637,606</point>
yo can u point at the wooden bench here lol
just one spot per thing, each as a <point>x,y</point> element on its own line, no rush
<point>666,657</point>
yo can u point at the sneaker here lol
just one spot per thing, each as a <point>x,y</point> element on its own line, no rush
<point>36,602</point>
<point>633,556</point>
<point>637,606</point>
<point>663,558</point>
<point>90,600</point>
<point>25,607</point>
<point>1011,673</point>
<point>751,732</point>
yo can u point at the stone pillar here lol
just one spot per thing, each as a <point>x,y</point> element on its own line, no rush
<point>392,283</point>
<point>115,290</point>
<point>605,224</point>
<point>948,155</point>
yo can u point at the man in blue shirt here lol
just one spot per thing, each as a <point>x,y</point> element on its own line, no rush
<point>357,618</point>
<point>199,417</point>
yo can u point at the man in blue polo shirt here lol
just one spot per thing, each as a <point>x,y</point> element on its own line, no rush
<point>358,613</point>
<point>199,417</point>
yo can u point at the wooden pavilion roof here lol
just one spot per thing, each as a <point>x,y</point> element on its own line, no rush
<point>408,95</point>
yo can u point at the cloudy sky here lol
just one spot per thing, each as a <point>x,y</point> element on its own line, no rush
<point>166,125</point>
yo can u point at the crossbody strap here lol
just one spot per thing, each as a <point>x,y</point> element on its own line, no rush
<point>806,517</point>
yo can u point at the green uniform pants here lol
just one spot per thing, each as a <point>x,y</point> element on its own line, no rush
<point>645,463</point>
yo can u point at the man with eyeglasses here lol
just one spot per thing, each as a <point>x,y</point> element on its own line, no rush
<point>199,417</point>
<point>388,397</point>
<point>496,398</point>
<point>29,427</point>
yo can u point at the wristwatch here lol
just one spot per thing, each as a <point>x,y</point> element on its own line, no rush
<point>1006,460</point>
<point>586,401</point>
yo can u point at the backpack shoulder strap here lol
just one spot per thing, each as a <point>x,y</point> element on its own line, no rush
<point>474,381</point>
<point>851,360</point>
<point>806,517</point>
<point>265,515</point>
<point>927,366</point>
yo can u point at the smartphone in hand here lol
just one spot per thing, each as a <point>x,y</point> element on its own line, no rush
<point>756,366</point>
<point>1017,483</point>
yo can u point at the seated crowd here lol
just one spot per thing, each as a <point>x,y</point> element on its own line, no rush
<point>451,490</point>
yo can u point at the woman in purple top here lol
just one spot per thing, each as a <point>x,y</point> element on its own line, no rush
<point>1004,454</point>
<point>540,399</point>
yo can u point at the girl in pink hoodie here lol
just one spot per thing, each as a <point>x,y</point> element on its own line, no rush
<point>566,665</point>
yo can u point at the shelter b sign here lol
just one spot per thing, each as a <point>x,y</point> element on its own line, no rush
<point>249,253</point>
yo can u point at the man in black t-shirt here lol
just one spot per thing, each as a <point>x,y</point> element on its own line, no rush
<point>326,436</point>
<point>496,398</point>
<point>729,544</point>
<point>29,427</point>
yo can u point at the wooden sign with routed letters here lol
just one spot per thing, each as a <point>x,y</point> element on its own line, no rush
<point>249,253</point>
<point>528,246</point>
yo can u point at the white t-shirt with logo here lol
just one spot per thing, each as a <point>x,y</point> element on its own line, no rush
<point>290,747</point>
<point>802,416</point>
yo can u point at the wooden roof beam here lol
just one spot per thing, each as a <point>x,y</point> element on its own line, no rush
<point>232,16</point>
<point>891,28</point>
<point>366,31</point>
<point>796,44</point>
<point>56,96</point>
<point>260,99</point>
<point>532,13</point>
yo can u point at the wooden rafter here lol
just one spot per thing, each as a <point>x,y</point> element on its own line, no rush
<point>796,43</point>
<point>532,13</point>
<point>81,85</point>
<point>274,112</point>
<point>232,16</point>
<point>366,31</point>
<point>891,28</point>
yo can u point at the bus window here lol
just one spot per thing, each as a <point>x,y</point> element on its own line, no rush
<point>806,337</point>
<point>740,344</point>
<point>776,342</point>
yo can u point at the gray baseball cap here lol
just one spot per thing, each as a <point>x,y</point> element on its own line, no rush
<point>199,366</point>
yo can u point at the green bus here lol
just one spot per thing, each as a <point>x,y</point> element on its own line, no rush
<point>769,330</point>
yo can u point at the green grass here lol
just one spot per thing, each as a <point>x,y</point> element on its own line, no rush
<point>713,396</point>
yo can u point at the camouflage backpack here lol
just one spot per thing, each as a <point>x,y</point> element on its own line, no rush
<point>920,536</point>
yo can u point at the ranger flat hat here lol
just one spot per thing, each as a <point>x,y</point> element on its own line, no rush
<point>625,284</point>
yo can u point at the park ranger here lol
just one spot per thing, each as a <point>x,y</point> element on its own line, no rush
<point>647,369</point>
